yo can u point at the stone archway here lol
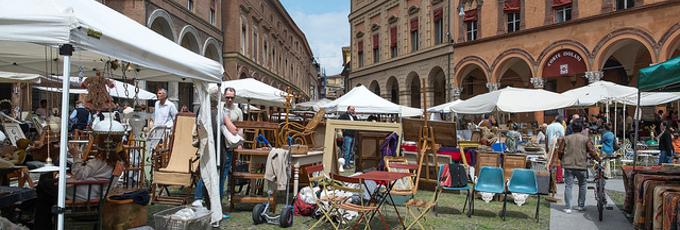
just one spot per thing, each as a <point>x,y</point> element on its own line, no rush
<point>437,80</point>
<point>623,59</point>
<point>413,85</point>
<point>374,87</point>
<point>514,72</point>
<point>189,39</point>
<point>393,89</point>
<point>211,49</point>
<point>472,80</point>
<point>564,69</point>
<point>161,22</point>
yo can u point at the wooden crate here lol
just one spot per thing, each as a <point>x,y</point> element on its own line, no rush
<point>486,159</point>
<point>513,161</point>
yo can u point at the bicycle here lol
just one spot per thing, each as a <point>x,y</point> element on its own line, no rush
<point>600,181</point>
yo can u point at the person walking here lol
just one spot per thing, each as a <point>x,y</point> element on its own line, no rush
<point>607,143</point>
<point>553,132</point>
<point>665,140</point>
<point>348,137</point>
<point>573,150</point>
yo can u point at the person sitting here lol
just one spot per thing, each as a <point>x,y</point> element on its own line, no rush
<point>99,168</point>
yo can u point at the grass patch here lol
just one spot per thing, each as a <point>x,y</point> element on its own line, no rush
<point>487,216</point>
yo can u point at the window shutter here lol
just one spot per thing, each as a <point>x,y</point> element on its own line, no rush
<point>511,6</point>
<point>376,41</point>
<point>393,37</point>
<point>437,14</point>
<point>414,24</point>
<point>360,46</point>
<point>470,15</point>
<point>560,3</point>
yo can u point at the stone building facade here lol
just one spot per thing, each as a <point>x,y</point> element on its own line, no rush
<point>486,45</point>
<point>263,42</point>
<point>251,38</point>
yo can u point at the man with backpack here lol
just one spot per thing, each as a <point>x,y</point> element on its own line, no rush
<point>80,117</point>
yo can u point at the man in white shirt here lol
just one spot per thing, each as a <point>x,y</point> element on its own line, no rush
<point>553,132</point>
<point>164,111</point>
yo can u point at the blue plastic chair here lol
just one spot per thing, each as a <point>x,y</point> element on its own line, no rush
<point>499,147</point>
<point>523,181</point>
<point>490,180</point>
<point>464,188</point>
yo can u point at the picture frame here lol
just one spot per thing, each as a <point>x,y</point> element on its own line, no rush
<point>13,132</point>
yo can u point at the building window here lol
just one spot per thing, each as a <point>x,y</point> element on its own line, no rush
<point>471,30</point>
<point>244,39</point>
<point>438,26</point>
<point>255,44</point>
<point>265,51</point>
<point>513,22</point>
<point>360,52</point>
<point>376,48</point>
<point>213,14</point>
<point>274,59</point>
<point>190,5</point>
<point>414,35</point>
<point>471,26</point>
<point>563,14</point>
<point>393,42</point>
<point>624,4</point>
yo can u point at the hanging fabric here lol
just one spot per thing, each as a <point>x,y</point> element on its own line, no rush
<point>470,15</point>
<point>560,3</point>
<point>511,6</point>
<point>437,14</point>
<point>360,46</point>
<point>393,37</point>
<point>414,24</point>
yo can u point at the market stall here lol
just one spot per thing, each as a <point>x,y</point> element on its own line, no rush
<point>367,102</point>
<point>89,35</point>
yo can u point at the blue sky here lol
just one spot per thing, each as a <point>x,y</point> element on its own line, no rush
<point>326,27</point>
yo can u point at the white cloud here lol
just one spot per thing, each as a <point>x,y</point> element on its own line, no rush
<point>326,33</point>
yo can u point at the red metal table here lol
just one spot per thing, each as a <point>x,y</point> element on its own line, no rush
<point>388,178</point>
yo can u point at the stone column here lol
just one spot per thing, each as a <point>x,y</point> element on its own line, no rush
<point>594,76</point>
<point>455,93</point>
<point>537,82</point>
<point>492,86</point>
<point>173,93</point>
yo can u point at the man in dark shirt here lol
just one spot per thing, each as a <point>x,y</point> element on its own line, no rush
<point>348,137</point>
<point>665,144</point>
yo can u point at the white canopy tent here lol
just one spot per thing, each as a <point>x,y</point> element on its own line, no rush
<point>59,90</point>
<point>599,91</point>
<point>118,89</point>
<point>513,100</point>
<point>252,91</point>
<point>365,101</point>
<point>444,108</point>
<point>33,29</point>
<point>11,77</point>
<point>649,98</point>
<point>312,105</point>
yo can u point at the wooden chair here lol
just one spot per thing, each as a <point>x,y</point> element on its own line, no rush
<point>364,209</point>
<point>315,175</point>
<point>88,211</point>
<point>182,161</point>
<point>424,206</point>
<point>304,134</point>
<point>406,186</point>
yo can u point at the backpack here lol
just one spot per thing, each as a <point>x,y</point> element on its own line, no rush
<point>458,175</point>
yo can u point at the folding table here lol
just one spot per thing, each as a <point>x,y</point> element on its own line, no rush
<point>388,178</point>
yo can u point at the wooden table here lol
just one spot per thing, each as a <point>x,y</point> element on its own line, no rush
<point>312,157</point>
<point>389,178</point>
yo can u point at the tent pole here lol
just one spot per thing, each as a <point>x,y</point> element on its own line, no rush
<point>65,50</point>
<point>637,130</point>
<point>219,125</point>
<point>625,119</point>
<point>615,116</point>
